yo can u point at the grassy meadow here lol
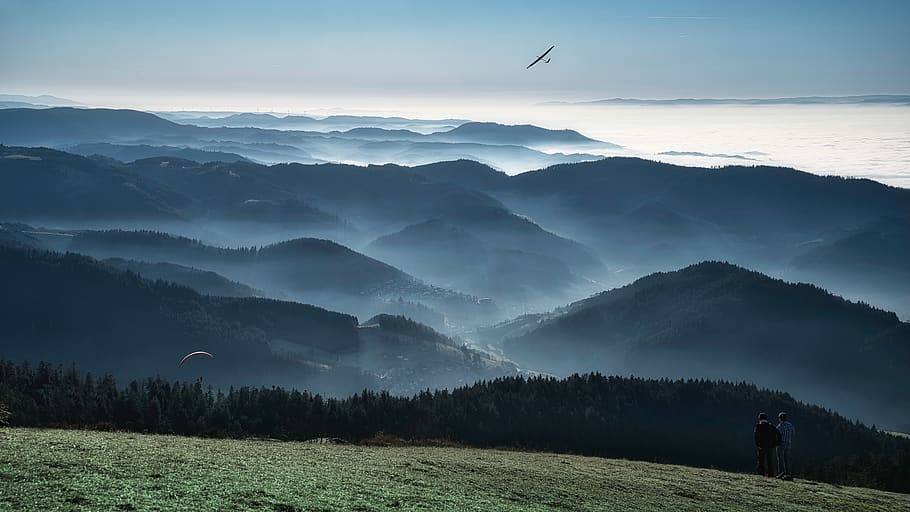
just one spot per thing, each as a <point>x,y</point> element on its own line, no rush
<point>43,470</point>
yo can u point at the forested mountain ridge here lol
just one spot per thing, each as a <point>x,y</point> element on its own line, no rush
<point>717,320</point>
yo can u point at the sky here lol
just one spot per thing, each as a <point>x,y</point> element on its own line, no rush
<point>269,52</point>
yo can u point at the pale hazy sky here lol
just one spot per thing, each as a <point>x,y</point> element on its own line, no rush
<point>242,53</point>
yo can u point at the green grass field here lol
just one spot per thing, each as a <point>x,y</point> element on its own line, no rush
<point>79,470</point>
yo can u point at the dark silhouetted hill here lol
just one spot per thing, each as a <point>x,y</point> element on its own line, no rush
<point>70,308</point>
<point>721,321</point>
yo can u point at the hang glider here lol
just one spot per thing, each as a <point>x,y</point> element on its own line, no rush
<point>541,58</point>
<point>192,354</point>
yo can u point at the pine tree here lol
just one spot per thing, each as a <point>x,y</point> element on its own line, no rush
<point>4,415</point>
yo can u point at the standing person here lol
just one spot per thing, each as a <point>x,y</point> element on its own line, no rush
<point>786,430</point>
<point>766,438</point>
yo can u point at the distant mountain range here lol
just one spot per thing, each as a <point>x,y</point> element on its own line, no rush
<point>52,188</point>
<point>633,215</point>
<point>43,100</point>
<point>717,320</point>
<point>884,99</point>
<point>298,122</point>
<point>512,148</point>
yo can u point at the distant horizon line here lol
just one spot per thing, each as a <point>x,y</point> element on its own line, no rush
<point>902,99</point>
<point>858,99</point>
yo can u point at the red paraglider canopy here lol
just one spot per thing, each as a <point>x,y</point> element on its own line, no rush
<point>191,354</point>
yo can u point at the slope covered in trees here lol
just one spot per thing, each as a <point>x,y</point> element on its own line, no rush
<point>721,321</point>
<point>71,308</point>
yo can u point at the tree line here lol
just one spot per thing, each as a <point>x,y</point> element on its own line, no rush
<point>691,422</point>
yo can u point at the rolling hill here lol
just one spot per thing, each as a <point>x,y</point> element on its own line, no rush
<point>444,253</point>
<point>717,320</point>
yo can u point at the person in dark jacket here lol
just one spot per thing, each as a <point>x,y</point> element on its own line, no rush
<point>767,437</point>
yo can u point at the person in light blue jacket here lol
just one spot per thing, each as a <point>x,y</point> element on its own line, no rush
<point>786,430</point>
